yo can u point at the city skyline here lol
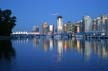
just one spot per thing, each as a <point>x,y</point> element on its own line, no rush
<point>35,12</point>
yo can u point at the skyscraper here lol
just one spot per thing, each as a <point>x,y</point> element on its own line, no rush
<point>98,21</point>
<point>81,26</point>
<point>51,28</point>
<point>94,25</point>
<point>87,23</point>
<point>37,28</point>
<point>59,24</point>
<point>70,27</point>
<point>34,29</point>
<point>65,28</point>
<point>45,27</point>
<point>103,22</point>
<point>78,28</point>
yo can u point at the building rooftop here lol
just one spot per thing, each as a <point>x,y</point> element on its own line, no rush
<point>59,17</point>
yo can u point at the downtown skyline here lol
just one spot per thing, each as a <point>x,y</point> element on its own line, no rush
<point>34,12</point>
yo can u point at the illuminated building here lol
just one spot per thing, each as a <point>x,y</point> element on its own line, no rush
<point>77,27</point>
<point>107,25</point>
<point>87,23</point>
<point>45,28</point>
<point>65,28</point>
<point>59,24</point>
<point>103,22</point>
<point>70,27</point>
<point>98,20</point>
<point>51,28</point>
<point>37,29</point>
<point>94,26</point>
<point>81,26</point>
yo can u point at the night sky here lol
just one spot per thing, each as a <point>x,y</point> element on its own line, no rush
<point>35,12</point>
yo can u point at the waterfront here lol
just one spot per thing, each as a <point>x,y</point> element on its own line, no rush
<point>53,54</point>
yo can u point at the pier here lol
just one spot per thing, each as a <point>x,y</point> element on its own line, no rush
<point>99,35</point>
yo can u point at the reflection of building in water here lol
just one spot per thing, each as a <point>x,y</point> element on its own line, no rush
<point>71,43</point>
<point>45,44</point>
<point>100,48</point>
<point>36,42</point>
<point>51,44</point>
<point>104,49</point>
<point>78,45</point>
<point>95,46</point>
<point>60,49</point>
<point>24,41</point>
<point>87,48</point>
<point>65,44</point>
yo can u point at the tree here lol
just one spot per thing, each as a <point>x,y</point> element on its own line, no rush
<point>7,22</point>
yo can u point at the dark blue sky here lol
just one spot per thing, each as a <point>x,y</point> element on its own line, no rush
<point>34,12</point>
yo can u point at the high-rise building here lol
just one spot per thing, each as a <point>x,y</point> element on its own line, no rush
<point>107,25</point>
<point>34,29</point>
<point>98,21</point>
<point>103,22</point>
<point>70,27</point>
<point>59,24</point>
<point>78,28</point>
<point>51,28</point>
<point>45,28</point>
<point>65,28</point>
<point>37,28</point>
<point>94,25</point>
<point>87,21</point>
<point>81,26</point>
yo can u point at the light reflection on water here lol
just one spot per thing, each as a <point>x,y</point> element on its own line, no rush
<point>60,54</point>
<point>87,48</point>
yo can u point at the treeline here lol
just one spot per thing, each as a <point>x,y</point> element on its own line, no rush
<point>7,22</point>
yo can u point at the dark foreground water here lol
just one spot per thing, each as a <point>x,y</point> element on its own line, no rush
<point>53,54</point>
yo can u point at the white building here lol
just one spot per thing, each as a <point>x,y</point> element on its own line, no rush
<point>51,28</point>
<point>99,25</point>
<point>87,23</point>
<point>103,22</point>
<point>59,24</point>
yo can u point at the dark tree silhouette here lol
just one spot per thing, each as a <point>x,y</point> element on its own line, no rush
<point>7,22</point>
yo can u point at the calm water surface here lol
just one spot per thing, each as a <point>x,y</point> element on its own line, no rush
<point>53,54</point>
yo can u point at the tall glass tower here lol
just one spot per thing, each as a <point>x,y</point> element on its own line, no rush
<point>103,22</point>
<point>59,24</point>
<point>87,23</point>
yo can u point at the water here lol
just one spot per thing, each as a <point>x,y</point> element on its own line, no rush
<point>53,54</point>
